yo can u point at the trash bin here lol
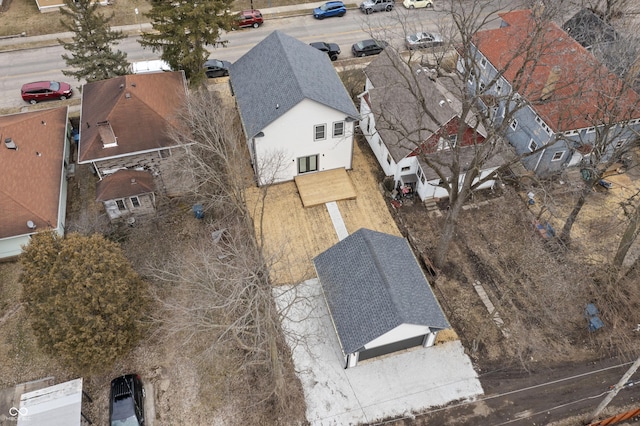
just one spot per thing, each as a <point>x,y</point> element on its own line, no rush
<point>198,211</point>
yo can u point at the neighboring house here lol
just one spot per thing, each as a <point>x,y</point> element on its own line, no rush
<point>127,193</point>
<point>378,297</point>
<point>124,125</point>
<point>564,101</point>
<point>589,29</point>
<point>402,131</point>
<point>54,5</point>
<point>296,114</point>
<point>34,157</point>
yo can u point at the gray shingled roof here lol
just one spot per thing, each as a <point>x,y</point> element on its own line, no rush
<point>400,99</point>
<point>372,283</point>
<point>277,74</point>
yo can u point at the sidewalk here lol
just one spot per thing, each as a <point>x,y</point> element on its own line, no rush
<point>18,42</point>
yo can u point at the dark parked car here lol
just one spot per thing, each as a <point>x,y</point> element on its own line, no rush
<point>370,6</point>
<point>329,9</point>
<point>216,68</point>
<point>250,18</point>
<point>45,90</point>
<point>368,47</point>
<point>126,403</point>
<point>331,49</point>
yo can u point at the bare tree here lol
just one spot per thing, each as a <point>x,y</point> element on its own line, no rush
<point>225,294</point>
<point>485,103</point>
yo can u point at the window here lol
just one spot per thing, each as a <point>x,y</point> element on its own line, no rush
<point>319,132</point>
<point>533,145</point>
<point>619,144</point>
<point>591,129</point>
<point>557,156</point>
<point>483,62</point>
<point>338,129</point>
<point>514,124</point>
<point>482,86</point>
<point>422,179</point>
<point>405,169</point>
<point>388,158</point>
<point>135,201</point>
<point>419,171</point>
<point>165,153</point>
<point>308,164</point>
<point>498,88</point>
<point>120,204</point>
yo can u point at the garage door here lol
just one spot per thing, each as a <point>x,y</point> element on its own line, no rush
<point>391,347</point>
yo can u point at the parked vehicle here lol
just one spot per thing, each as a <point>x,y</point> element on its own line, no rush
<point>370,6</point>
<point>329,9</point>
<point>145,67</point>
<point>216,68</point>
<point>126,402</point>
<point>368,47</point>
<point>423,40</point>
<point>250,18</point>
<point>331,49</point>
<point>417,4</point>
<point>45,90</point>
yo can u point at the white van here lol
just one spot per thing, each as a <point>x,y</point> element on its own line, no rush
<point>144,67</point>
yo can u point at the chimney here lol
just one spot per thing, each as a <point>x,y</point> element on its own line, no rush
<point>550,85</point>
<point>538,9</point>
<point>10,144</point>
<point>107,135</point>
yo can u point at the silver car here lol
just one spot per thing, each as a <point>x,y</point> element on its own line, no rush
<point>422,40</point>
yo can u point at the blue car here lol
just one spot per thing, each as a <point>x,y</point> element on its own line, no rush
<point>329,9</point>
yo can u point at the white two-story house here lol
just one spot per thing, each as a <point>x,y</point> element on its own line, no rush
<point>296,114</point>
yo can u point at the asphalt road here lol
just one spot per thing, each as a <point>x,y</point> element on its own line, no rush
<point>45,63</point>
<point>519,398</point>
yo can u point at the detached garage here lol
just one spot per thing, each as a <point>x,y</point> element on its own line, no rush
<point>379,299</point>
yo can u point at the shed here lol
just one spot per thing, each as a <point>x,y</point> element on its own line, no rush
<point>58,405</point>
<point>379,299</point>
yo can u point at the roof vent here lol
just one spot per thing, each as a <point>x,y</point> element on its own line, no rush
<point>442,102</point>
<point>133,84</point>
<point>31,225</point>
<point>9,143</point>
<point>277,106</point>
<point>44,123</point>
<point>133,181</point>
<point>127,95</point>
<point>121,86</point>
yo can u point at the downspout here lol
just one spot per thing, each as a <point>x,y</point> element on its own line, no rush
<point>539,159</point>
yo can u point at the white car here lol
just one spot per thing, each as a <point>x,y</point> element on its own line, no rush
<point>423,40</point>
<point>417,4</point>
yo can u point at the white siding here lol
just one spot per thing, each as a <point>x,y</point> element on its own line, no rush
<point>292,136</point>
<point>402,332</point>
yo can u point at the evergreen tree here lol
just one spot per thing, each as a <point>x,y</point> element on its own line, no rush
<point>82,297</point>
<point>91,54</point>
<point>183,29</point>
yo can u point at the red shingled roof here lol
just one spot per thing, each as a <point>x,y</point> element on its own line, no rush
<point>139,108</point>
<point>124,183</point>
<point>31,175</point>
<point>585,92</point>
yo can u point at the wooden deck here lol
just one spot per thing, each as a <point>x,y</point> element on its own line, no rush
<point>294,234</point>
<point>323,187</point>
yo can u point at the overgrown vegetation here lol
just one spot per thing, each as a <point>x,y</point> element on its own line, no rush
<point>82,298</point>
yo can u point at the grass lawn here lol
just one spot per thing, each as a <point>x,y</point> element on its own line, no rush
<point>20,16</point>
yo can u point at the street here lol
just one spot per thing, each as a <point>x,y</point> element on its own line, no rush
<point>45,63</point>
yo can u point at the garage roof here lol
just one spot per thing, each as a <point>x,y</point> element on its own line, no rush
<point>373,283</point>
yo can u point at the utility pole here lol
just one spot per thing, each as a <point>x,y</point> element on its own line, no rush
<point>625,378</point>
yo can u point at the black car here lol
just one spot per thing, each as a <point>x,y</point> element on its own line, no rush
<point>331,49</point>
<point>368,47</point>
<point>216,68</point>
<point>126,403</point>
